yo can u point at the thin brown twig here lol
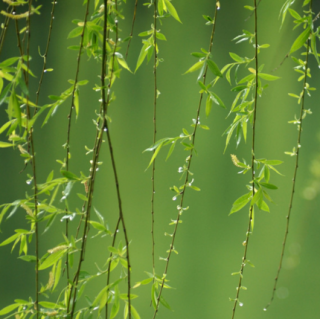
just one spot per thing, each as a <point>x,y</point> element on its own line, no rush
<point>154,129</point>
<point>251,212</point>
<point>69,120</point>
<point>105,104</point>
<point>5,28</point>
<point>133,21</point>
<point>45,55</point>
<point>189,159</point>
<point>294,174</point>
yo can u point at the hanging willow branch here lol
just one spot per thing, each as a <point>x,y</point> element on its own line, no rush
<point>186,182</point>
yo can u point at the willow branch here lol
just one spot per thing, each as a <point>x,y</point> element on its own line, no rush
<point>105,104</point>
<point>5,28</point>
<point>154,128</point>
<point>70,117</point>
<point>294,175</point>
<point>45,54</point>
<point>246,243</point>
<point>133,21</point>
<point>186,182</point>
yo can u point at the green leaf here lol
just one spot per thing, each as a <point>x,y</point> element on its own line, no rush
<point>69,175</point>
<point>208,105</point>
<point>172,10</point>
<point>214,68</point>
<point>270,186</point>
<point>116,303</point>
<point>14,108</point>
<point>236,57</point>
<point>8,309</point>
<point>216,99</point>
<point>75,32</point>
<point>268,77</point>
<point>28,258</point>
<point>124,64</point>
<point>10,239</point>
<point>196,66</point>
<point>49,305</point>
<point>5,144</point>
<point>98,226</point>
<point>142,55</point>
<point>240,202</point>
<point>257,197</point>
<point>300,40</point>
<point>53,258</point>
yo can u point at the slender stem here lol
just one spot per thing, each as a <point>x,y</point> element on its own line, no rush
<point>105,104</point>
<point>189,159</point>
<point>36,303</point>
<point>70,117</point>
<point>294,174</point>
<point>251,210</point>
<point>5,28</point>
<point>154,128</point>
<point>45,54</point>
<point>133,21</point>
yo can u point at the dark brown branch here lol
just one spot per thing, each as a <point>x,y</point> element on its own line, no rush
<point>154,128</point>
<point>246,243</point>
<point>294,174</point>
<point>133,21</point>
<point>187,171</point>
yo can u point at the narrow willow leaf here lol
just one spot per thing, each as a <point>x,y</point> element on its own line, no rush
<point>75,32</point>
<point>69,175</point>
<point>98,226</point>
<point>57,275</point>
<point>214,68</point>
<point>300,40</point>
<point>270,186</point>
<point>273,162</point>
<point>240,202</point>
<point>10,239</point>
<point>28,258</point>
<point>124,64</point>
<point>116,303</point>
<point>49,305</point>
<point>164,302</point>
<point>264,206</point>
<point>172,10</point>
<point>247,78</point>
<point>171,149</point>
<point>268,77</point>
<point>14,108</point>
<point>196,66</point>
<point>257,197</point>
<point>53,258</point>
<point>5,144</point>
<point>142,55</point>
<point>314,47</point>
<point>76,101</point>
<point>8,309</point>
<point>208,105</point>
<point>216,99</point>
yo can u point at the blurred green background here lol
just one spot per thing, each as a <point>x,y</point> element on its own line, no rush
<point>209,241</point>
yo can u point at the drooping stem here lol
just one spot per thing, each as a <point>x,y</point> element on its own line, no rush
<point>45,54</point>
<point>133,21</point>
<point>251,210</point>
<point>31,140</point>
<point>105,104</point>
<point>294,173</point>
<point>154,128</point>
<point>189,160</point>
<point>70,118</point>
<point>5,28</point>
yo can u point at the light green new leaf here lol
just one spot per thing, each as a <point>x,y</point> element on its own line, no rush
<point>8,309</point>
<point>214,68</point>
<point>268,77</point>
<point>76,101</point>
<point>270,186</point>
<point>75,32</point>
<point>236,57</point>
<point>124,64</point>
<point>14,108</point>
<point>53,258</point>
<point>69,175</point>
<point>28,258</point>
<point>116,304</point>
<point>49,305</point>
<point>195,67</point>
<point>10,239</point>
<point>240,202</point>
<point>300,40</point>
<point>142,55</point>
<point>258,196</point>
<point>172,10</point>
<point>5,144</point>
<point>208,105</point>
<point>216,99</point>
